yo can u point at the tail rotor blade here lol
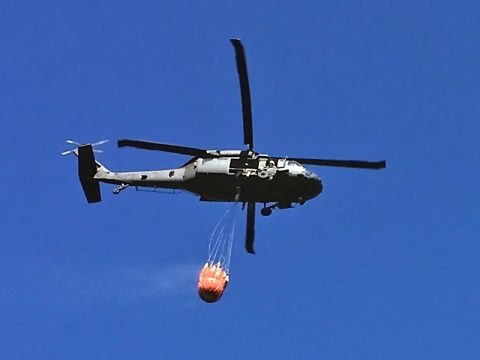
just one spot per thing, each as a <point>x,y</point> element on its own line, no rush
<point>101,142</point>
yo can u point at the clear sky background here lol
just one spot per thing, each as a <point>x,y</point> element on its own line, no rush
<point>382,265</point>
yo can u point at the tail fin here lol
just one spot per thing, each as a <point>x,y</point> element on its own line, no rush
<point>87,168</point>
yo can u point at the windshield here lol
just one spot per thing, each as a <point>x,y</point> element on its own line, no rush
<point>294,163</point>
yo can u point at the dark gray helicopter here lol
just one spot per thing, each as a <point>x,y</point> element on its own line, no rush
<point>220,175</point>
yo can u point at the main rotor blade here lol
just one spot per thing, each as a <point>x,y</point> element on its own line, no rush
<point>358,164</point>
<point>250,235</point>
<point>177,149</point>
<point>245,92</point>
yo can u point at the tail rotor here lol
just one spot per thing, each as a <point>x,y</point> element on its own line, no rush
<point>88,167</point>
<point>98,143</point>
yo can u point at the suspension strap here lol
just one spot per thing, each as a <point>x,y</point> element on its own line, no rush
<point>221,241</point>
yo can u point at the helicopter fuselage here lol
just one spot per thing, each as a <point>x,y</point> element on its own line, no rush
<point>219,175</point>
<point>229,178</point>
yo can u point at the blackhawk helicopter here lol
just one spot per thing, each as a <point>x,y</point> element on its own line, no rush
<point>244,176</point>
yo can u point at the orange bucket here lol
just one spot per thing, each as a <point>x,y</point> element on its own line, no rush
<point>212,282</point>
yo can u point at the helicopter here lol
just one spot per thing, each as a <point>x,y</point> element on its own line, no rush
<point>244,176</point>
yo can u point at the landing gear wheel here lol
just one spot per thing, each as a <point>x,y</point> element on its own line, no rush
<point>266,211</point>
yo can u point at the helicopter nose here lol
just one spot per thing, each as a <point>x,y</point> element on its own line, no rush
<point>312,186</point>
<point>316,186</point>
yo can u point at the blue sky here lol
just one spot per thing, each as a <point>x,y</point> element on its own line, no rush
<point>382,265</point>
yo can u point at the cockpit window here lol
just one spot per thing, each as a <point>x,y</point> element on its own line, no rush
<point>294,163</point>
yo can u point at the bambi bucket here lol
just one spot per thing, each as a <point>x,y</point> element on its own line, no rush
<point>212,282</point>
